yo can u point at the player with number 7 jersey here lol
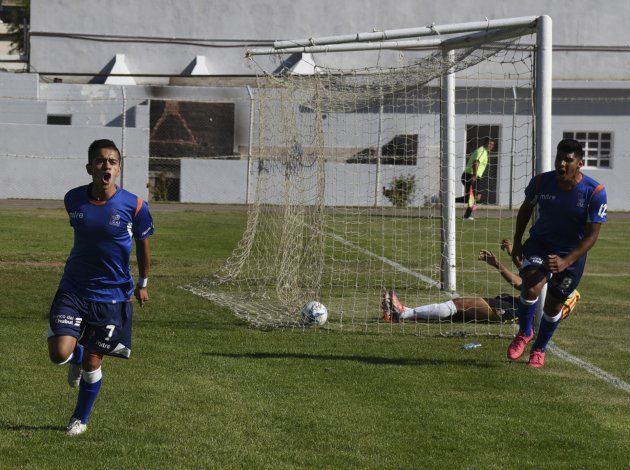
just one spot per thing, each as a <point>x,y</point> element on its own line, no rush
<point>92,312</point>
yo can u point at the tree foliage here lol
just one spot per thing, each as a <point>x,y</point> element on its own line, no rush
<point>18,26</point>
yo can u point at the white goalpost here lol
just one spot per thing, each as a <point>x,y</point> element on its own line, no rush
<point>355,171</point>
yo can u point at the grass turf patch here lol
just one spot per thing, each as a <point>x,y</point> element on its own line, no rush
<point>203,389</point>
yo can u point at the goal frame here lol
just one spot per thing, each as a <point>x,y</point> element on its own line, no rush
<point>476,33</point>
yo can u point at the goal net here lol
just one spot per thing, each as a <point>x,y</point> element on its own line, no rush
<point>348,190</point>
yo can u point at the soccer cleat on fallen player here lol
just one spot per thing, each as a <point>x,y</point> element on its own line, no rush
<point>75,427</point>
<point>517,346</point>
<point>397,308</point>
<point>385,306</point>
<point>569,305</point>
<point>74,375</point>
<point>536,359</point>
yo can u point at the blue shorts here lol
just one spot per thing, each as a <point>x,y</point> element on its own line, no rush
<point>103,328</point>
<point>560,285</point>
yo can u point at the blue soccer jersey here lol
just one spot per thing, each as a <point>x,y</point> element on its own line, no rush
<point>563,215</point>
<point>98,268</point>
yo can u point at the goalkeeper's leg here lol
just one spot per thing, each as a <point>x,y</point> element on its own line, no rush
<point>465,183</point>
<point>468,309</point>
<point>472,201</point>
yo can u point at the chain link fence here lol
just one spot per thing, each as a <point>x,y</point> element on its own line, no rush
<point>198,144</point>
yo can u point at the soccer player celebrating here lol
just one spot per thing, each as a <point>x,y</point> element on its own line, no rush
<point>501,308</point>
<point>92,312</point>
<point>571,209</point>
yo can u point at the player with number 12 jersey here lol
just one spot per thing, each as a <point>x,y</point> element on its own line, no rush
<point>571,210</point>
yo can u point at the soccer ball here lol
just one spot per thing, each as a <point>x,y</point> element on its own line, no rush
<point>314,313</point>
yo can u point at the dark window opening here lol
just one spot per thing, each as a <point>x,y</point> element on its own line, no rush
<point>59,119</point>
<point>401,150</point>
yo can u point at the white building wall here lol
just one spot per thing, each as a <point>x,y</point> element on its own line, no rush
<point>97,109</point>
<point>224,182</point>
<point>187,28</point>
<point>615,179</point>
<point>214,181</point>
<point>47,166</point>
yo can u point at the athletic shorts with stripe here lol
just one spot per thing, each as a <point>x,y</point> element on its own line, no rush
<point>101,327</point>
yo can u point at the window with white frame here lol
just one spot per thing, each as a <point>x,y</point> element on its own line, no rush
<point>597,147</point>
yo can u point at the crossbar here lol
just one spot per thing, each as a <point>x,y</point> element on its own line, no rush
<point>467,40</point>
<point>431,30</point>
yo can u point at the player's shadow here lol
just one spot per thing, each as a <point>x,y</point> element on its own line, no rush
<point>28,427</point>
<point>374,360</point>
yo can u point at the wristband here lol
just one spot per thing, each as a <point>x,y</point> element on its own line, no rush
<point>142,282</point>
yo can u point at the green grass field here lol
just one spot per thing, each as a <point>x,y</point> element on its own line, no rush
<point>205,390</point>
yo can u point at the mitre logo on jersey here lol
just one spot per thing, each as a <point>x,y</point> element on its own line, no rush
<point>114,220</point>
<point>75,215</point>
<point>548,197</point>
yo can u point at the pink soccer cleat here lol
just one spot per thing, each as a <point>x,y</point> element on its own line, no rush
<point>397,308</point>
<point>386,307</point>
<point>517,346</point>
<point>536,359</point>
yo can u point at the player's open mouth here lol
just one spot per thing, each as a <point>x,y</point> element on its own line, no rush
<point>561,171</point>
<point>107,177</point>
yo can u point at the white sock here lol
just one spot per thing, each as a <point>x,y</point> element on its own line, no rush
<point>552,318</point>
<point>93,376</point>
<point>439,311</point>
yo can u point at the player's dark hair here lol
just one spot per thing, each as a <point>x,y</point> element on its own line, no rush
<point>487,140</point>
<point>97,145</point>
<point>571,146</point>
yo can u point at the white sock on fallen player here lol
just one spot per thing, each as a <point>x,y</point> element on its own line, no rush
<point>439,311</point>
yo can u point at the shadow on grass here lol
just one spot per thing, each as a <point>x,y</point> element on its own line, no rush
<point>398,361</point>
<point>28,427</point>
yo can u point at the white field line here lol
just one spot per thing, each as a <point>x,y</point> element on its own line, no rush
<point>562,354</point>
<point>394,264</point>
<point>589,274</point>
<point>590,368</point>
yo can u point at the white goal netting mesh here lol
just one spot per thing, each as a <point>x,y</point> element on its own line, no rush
<point>345,184</point>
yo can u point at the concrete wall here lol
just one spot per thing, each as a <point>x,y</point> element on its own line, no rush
<point>354,184</point>
<point>187,28</point>
<point>615,179</point>
<point>43,161</point>
<point>97,111</point>
<point>215,181</point>
<point>17,86</point>
<point>47,163</point>
<point>225,182</point>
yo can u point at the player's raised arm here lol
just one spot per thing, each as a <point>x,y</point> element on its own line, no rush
<point>490,258</point>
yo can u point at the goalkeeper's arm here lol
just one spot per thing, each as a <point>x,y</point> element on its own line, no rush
<point>490,258</point>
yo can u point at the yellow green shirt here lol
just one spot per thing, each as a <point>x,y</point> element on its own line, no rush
<point>480,155</point>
